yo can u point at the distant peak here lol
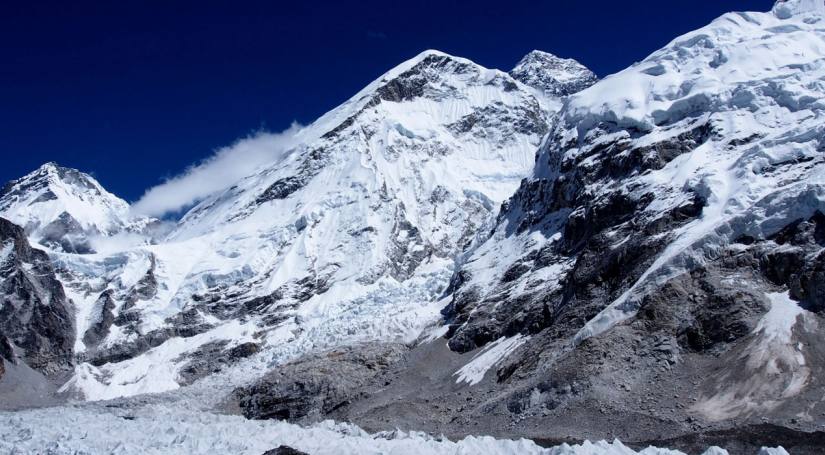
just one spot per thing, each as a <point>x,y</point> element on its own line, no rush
<point>50,166</point>
<point>431,52</point>
<point>53,173</point>
<point>537,55</point>
<point>785,9</point>
<point>53,168</point>
<point>553,75</point>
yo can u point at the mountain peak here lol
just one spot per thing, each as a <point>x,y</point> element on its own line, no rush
<point>65,175</point>
<point>553,75</point>
<point>54,200</point>
<point>432,53</point>
<point>785,9</point>
<point>50,166</point>
<point>428,58</point>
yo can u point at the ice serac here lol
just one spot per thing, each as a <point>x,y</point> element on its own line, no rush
<point>552,75</point>
<point>62,209</point>
<point>351,236</point>
<point>665,255</point>
<point>786,9</point>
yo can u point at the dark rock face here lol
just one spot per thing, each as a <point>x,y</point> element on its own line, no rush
<point>526,119</point>
<point>653,368</point>
<point>282,189</point>
<point>6,354</point>
<point>797,260</point>
<point>595,269</point>
<point>144,289</point>
<point>316,385</point>
<point>213,358</point>
<point>284,450</point>
<point>104,319</point>
<point>142,344</point>
<point>34,312</point>
<point>313,161</point>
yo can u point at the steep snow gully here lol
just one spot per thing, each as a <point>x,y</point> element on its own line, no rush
<point>536,256</point>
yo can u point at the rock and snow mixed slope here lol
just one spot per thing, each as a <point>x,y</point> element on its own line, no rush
<point>716,137</point>
<point>551,75</point>
<point>673,225</point>
<point>664,261</point>
<point>64,209</point>
<point>350,236</point>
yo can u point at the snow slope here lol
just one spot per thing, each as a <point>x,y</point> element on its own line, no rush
<point>473,372</point>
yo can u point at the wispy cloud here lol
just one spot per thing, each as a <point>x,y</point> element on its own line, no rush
<point>218,172</point>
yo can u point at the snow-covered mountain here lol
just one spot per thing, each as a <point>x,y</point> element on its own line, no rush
<point>715,137</point>
<point>63,209</point>
<point>665,258</point>
<point>350,236</point>
<point>658,277</point>
<point>638,257</point>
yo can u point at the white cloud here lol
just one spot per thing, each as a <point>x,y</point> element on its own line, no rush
<point>218,172</point>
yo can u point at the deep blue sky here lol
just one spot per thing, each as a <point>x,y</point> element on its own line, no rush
<point>135,91</point>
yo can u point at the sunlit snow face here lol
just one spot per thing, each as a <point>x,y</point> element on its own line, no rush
<point>785,9</point>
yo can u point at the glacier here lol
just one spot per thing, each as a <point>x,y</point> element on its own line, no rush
<point>543,248</point>
<point>162,430</point>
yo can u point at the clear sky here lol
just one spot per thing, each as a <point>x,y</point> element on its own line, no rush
<point>135,91</point>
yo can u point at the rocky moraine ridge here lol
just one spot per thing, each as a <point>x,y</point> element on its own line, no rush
<point>639,257</point>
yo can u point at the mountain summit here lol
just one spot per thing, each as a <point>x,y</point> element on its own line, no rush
<point>63,208</point>
<point>552,75</point>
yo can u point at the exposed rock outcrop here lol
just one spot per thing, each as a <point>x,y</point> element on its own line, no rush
<point>284,450</point>
<point>312,387</point>
<point>35,317</point>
